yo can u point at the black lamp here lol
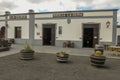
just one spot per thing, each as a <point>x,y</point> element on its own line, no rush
<point>108,24</point>
<point>36,25</point>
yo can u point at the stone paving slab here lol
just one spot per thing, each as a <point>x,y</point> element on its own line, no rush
<point>15,48</point>
<point>45,67</point>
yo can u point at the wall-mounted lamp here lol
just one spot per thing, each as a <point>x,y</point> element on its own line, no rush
<point>107,24</point>
<point>36,25</point>
<point>68,20</point>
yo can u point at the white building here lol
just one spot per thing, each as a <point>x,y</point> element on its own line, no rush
<point>84,28</point>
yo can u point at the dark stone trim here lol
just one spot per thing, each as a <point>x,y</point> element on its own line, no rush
<point>17,19</point>
<point>114,27</point>
<point>31,27</point>
<point>23,41</point>
<point>3,20</point>
<point>6,29</point>
<point>59,43</point>
<point>62,18</point>
<point>77,44</point>
<point>105,43</point>
<point>2,15</point>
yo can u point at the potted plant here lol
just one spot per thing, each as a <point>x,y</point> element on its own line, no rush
<point>27,53</point>
<point>4,45</point>
<point>97,59</point>
<point>62,56</point>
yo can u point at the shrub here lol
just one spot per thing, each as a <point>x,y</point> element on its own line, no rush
<point>98,53</point>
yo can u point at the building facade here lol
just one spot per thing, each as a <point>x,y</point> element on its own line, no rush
<point>118,35</point>
<point>83,28</point>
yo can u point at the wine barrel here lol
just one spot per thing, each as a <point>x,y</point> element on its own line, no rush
<point>99,48</point>
<point>97,60</point>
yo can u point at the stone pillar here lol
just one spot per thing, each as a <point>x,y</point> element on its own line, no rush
<point>114,41</point>
<point>31,26</point>
<point>7,13</point>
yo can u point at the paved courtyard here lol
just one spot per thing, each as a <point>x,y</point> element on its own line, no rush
<point>45,66</point>
<point>53,49</point>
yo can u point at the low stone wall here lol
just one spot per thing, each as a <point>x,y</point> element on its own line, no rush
<point>4,49</point>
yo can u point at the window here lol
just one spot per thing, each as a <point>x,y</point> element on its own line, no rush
<point>60,30</point>
<point>17,32</point>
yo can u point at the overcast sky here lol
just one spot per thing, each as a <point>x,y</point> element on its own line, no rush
<point>22,6</point>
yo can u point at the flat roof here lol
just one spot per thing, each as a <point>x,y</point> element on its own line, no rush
<point>98,10</point>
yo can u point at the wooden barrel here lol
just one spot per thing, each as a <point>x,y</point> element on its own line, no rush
<point>99,48</point>
<point>97,60</point>
<point>62,58</point>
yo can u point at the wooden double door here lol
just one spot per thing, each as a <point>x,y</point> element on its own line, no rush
<point>90,35</point>
<point>48,34</point>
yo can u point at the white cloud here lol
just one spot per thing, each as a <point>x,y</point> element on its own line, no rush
<point>7,5</point>
<point>38,1</point>
<point>22,6</point>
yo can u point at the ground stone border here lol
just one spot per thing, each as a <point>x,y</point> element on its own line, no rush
<point>4,49</point>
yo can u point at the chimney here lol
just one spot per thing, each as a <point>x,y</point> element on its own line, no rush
<point>7,12</point>
<point>31,11</point>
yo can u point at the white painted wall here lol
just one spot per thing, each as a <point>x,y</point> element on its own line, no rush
<point>38,29</point>
<point>89,13</point>
<point>2,23</point>
<point>102,13</point>
<point>2,17</point>
<point>118,31</point>
<point>43,15</point>
<point>24,25</point>
<point>73,31</point>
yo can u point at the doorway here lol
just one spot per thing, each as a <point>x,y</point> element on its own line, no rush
<point>118,40</point>
<point>48,34</point>
<point>90,35</point>
<point>2,32</point>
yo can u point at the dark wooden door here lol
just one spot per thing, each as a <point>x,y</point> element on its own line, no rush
<point>118,40</point>
<point>48,34</point>
<point>90,35</point>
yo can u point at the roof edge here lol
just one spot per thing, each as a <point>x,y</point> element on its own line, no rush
<point>67,11</point>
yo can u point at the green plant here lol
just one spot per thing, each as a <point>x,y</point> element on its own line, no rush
<point>27,53</point>
<point>62,54</point>
<point>27,47</point>
<point>98,53</point>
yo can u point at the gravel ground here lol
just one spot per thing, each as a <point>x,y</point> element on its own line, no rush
<point>45,67</point>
